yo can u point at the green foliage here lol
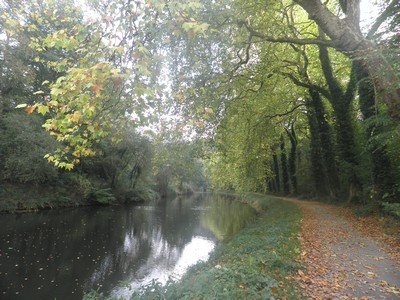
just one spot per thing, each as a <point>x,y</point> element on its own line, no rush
<point>23,145</point>
<point>81,184</point>
<point>102,196</point>
<point>177,165</point>
<point>93,295</point>
<point>77,99</point>
<point>143,192</point>
<point>121,172</point>
<point>392,209</point>
<point>216,64</point>
<point>26,197</point>
<point>244,88</point>
<point>55,63</point>
<point>82,86</point>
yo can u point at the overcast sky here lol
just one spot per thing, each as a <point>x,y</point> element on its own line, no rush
<point>369,12</point>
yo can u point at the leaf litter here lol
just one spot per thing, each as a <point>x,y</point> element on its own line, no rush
<point>346,257</point>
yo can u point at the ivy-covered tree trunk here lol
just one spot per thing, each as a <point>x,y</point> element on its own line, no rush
<point>347,148</point>
<point>341,103</point>
<point>272,186</point>
<point>134,175</point>
<point>347,38</point>
<point>316,153</point>
<point>271,182</point>
<point>277,173</point>
<point>293,157</point>
<point>284,165</point>
<point>382,170</point>
<point>324,131</point>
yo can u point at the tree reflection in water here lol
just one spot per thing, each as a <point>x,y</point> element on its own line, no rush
<point>225,218</point>
<point>64,253</point>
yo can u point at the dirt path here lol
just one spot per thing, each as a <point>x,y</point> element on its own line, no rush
<point>341,262</point>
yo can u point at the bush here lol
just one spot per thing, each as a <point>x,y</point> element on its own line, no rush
<point>392,209</point>
<point>119,171</point>
<point>23,144</point>
<point>80,183</point>
<point>102,196</point>
<point>143,191</point>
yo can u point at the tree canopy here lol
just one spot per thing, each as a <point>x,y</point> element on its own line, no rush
<point>281,96</point>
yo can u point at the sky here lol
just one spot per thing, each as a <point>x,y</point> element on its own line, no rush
<point>369,13</point>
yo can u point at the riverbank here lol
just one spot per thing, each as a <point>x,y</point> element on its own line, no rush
<point>257,263</point>
<point>24,198</point>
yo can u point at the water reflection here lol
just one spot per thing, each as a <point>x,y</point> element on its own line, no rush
<point>61,254</point>
<point>225,218</point>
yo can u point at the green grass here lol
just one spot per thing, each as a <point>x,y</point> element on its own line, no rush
<point>255,264</point>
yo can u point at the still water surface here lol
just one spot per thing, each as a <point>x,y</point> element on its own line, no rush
<point>62,254</point>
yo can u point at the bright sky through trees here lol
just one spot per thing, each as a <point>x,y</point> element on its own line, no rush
<point>369,12</point>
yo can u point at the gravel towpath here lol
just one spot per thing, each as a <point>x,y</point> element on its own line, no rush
<point>341,261</point>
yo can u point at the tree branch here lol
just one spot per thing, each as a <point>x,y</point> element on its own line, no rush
<point>352,85</point>
<point>247,57</point>
<point>353,12</point>
<point>298,82</point>
<point>388,12</point>
<point>269,117</point>
<point>296,41</point>
<point>335,89</point>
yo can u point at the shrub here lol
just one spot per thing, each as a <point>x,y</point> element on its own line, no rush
<point>80,184</point>
<point>392,209</point>
<point>23,144</point>
<point>102,196</point>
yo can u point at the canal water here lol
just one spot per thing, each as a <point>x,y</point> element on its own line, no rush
<point>62,254</point>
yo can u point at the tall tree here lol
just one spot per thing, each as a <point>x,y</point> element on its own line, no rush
<point>383,175</point>
<point>277,177</point>
<point>346,37</point>
<point>284,166</point>
<point>292,162</point>
<point>341,102</point>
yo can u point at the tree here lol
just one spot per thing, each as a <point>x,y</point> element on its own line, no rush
<point>347,38</point>
<point>292,162</point>
<point>56,64</point>
<point>240,72</point>
<point>23,145</point>
<point>284,165</point>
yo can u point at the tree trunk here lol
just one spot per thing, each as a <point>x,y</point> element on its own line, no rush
<point>348,39</point>
<point>293,158</point>
<point>277,173</point>
<point>324,132</point>
<point>316,156</point>
<point>341,103</point>
<point>285,173</point>
<point>382,170</point>
<point>271,186</point>
<point>347,149</point>
<point>271,181</point>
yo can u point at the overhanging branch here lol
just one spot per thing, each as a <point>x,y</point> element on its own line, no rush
<point>391,10</point>
<point>298,82</point>
<point>285,39</point>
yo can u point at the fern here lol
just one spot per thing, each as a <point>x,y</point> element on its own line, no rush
<point>103,196</point>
